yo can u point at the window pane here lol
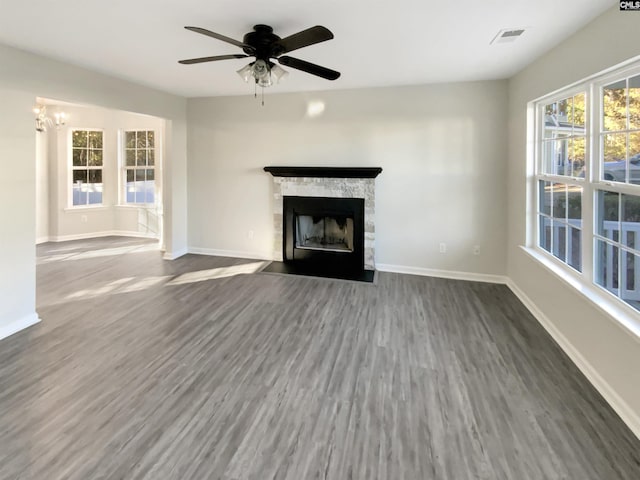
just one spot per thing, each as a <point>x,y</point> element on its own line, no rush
<point>130,157</point>
<point>574,201</point>
<point>561,155</point>
<point>95,158</point>
<point>548,156</point>
<point>634,102</point>
<point>151,157</point>
<point>95,140</point>
<point>95,176</point>
<point>576,156</point>
<point>94,187</point>
<point>150,186</point>
<point>615,106</point>
<point>563,109</point>
<point>95,194</point>
<point>140,175</point>
<point>559,201</point>
<point>80,176</point>
<point>130,187</point>
<point>574,250</point>
<point>151,142</point>
<point>545,233</point>
<point>79,192</point>
<point>79,157</point>
<point>545,197</point>
<point>130,139</point>
<point>630,221</point>
<point>607,266</point>
<point>577,117</point>
<point>634,157</point>
<point>607,211</point>
<point>141,158</point>
<point>615,153</point>
<point>80,138</point>
<point>141,139</point>
<point>560,240</point>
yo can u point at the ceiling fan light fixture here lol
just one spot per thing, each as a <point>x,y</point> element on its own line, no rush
<point>246,73</point>
<point>279,72</point>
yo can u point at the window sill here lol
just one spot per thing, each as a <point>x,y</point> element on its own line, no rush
<point>622,315</point>
<point>147,206</point>
<point>81,208</point>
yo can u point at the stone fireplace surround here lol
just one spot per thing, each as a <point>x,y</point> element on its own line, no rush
<point>337,182</point>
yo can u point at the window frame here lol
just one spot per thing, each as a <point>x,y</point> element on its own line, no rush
<point>540,175</point>
<point>72,168</point>
<point>123,167</point>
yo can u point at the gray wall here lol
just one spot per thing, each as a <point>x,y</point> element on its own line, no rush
<point>442,148</point>
<point>609,354</point>
<point>23,77</point>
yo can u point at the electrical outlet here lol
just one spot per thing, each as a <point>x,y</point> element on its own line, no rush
<point>83,218</point>
<point>476,249</point>
<point>443,247</point>
<point>250,234</point>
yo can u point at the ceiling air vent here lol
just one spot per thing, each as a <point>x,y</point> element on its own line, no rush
<point>507,35</point>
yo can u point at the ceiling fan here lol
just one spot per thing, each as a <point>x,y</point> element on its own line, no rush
<point>266,46</point>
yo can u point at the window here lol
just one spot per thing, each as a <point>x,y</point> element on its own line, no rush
<point>139,167</point>
<point>86,167</point>
<point>587,170</point>
<point>617,197</point>
<point>561,171</point>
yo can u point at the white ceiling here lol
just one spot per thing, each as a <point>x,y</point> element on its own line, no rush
<point>377,43</point>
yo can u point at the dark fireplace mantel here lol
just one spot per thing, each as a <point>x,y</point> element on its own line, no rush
<point>325,172</point>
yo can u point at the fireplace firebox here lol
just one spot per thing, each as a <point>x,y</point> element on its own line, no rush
<point>323,234</point>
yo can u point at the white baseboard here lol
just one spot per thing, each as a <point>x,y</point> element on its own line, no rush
<point>432,272</point>
<point>107,233</point>
<point>230,253</point>
<point>17,325</point>
<point>626,413</point>
<point>176,254</point>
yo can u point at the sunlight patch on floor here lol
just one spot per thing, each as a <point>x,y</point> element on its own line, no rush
<point>135,284</point>
<point>122,285</point>
<point>220,272</point>
<point>104,252</point>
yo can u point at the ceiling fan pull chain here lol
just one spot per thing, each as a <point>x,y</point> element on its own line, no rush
<point>263,96</point>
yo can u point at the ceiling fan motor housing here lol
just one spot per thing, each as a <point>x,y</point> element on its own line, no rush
<point>263,42</point>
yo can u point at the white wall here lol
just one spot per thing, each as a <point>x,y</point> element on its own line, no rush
<point>110,218</point>
<point>23,77</point>
<point>442,149</point>
<point>42,187</point>
<point>609,354</point>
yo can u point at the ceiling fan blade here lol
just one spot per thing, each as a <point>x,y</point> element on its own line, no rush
<point>211,59</point>
<point>209,33</point>
<point>307,37</point>
<point>311,68</point>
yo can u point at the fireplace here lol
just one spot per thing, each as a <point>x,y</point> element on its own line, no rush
<point>323,220</point>
<point>324,233</point>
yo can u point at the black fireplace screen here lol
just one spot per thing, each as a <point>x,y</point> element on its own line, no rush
<point>319,232</point>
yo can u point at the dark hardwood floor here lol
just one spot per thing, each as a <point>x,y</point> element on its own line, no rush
<point>199,369</point>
